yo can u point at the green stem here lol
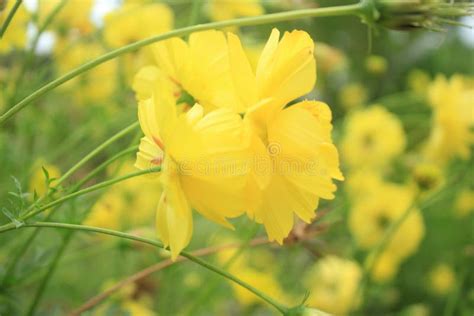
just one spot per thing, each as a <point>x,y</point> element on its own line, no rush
<point>359,9</point>
<point>49,274</point>
<point>156,243</point>
<point>106,163</point>
<point>93,153</point>
<point>11,267</point>
<point>9,18</point>
<point>92,188</point>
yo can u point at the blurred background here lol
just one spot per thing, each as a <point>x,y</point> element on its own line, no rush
<point>402,105</point>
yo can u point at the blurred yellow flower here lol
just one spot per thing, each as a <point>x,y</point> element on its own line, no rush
<point>373,138</point>
<point>385,267</point>
<point>259,275</point>
<point>333,284</point>
<point>329,58</point>
<point>428,177</point>
<point>94,86</point>
<point>15,36</point>
<point>74,17</point>
<point>464,204</point>
<point>452,132</point>
<point>125,205</point>
<point>418,81</point>
<point>121,27</point>
<point>220,10</point>
<point>441,279</point>
<point>129,300</point>
<point>371,216</point>
<point>203,158</point>
<point>38,178</point>
<point>376,65</point>
<point>352,96</point>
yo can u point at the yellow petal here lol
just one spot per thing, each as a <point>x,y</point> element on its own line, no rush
<point>242,74</point>
<point>174,220</point>
<point>287,71</point>
<point>145,81</point>
<point>149,154</point>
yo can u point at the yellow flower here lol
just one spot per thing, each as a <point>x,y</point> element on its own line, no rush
<point>418,81</point>
<point>373,137</point>
<point>203,158</point>
<point>352,96</point>
<point>333,285</point>
<point>441,279</point>
<point>15,36</point>
<point>329,58</point>
<point>38,180</point>
<point>259,274</point>
<point>96,85</point>
<point>121,27</point>
<point>200,68</point>
<point>106,212</point>
<point>129,300</point>
<point>294,160</point>
<point>376,65</point>
<point>453,118</point>
<point>464,204</point>
<point>385,267</point>
<point>220,10</point>
<point>297,160</point>
<point>74,16</point>
<point>125,205</point>
<point>371,216</point>
<point>428,177</point>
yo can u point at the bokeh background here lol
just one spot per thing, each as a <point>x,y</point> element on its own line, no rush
<point>402,104</point>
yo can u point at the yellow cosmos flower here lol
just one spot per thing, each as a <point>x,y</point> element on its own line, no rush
<point>94,86</point>
<point>373,137</point>
<point>385,267</point>
<point>200,68</point>
<point>428,177</point>
<point>353,96</point>
<point>294,160</point>
<point>121,27</point>
<point>442,279</point>
<point>333,285</point>
<point>453,119</point>
<point>371,216</point>
<point>204,160</point>
<point>75,15</point>
<point>220,10</point>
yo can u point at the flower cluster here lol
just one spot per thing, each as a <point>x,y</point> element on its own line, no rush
<point>237,114</point>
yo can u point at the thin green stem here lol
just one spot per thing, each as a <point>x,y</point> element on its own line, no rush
<point>195,10</point>
<point>93,153</point>
<point>9,18</point>
<point>92,188</point>
<point>156,243</point>
<point>358,9</point>
<point>49,274</point>
<point>13,263</point>
<point>70,196</point>
<point>106,163</point>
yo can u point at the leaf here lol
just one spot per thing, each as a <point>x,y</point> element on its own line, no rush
<point>14,220</point>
